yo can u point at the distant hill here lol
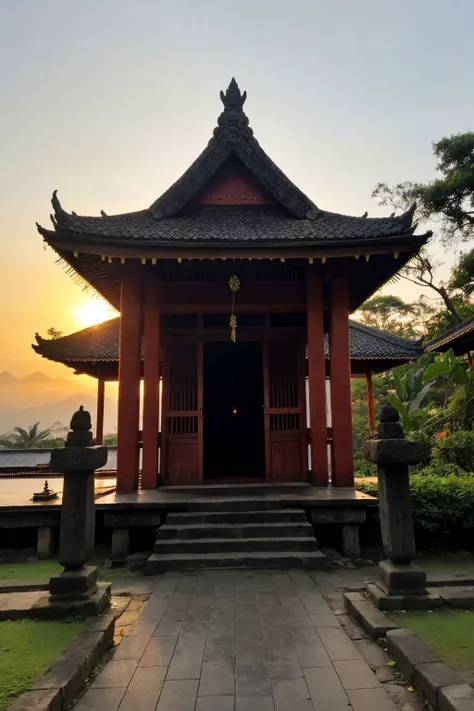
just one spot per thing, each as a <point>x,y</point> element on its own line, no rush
<point>58,414</point>
<point>36,377</point>
<point>7,378</point>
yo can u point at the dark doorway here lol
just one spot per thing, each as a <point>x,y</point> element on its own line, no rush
<point>234,443</point>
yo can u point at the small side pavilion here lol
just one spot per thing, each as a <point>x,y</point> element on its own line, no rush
<point>235,277</point>
<point>460,338</point>
<point>94,351</point>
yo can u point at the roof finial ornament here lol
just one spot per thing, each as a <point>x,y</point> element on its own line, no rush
<point>233,99</point>
<point>233,116</point>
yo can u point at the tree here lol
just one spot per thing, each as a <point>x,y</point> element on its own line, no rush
<point>450,197</point>
<point>54,333</point>
<point>386,313</point>
<point>30,437</point>
<point>462,275</point>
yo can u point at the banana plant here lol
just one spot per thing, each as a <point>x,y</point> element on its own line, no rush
<point>447,364</point>
<point>412,397</point>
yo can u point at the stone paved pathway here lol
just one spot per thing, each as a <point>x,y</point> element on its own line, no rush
<point>236,640</point>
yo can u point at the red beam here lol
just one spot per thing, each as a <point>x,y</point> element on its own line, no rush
<point>317,377</point>
<point>129,378</point>
<point>99,430</point>
<point>151,381</point>
<point>370,400</point>
<point>342,464</point>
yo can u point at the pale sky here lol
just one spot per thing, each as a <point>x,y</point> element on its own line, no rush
<point>111,100</point>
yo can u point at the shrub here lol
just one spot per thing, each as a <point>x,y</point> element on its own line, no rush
<point>443,507</point>
<point>440,469</point>
<point>364,468</point>
<point>456,448</point>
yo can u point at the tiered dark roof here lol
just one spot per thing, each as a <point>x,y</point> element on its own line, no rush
<point>83,350</point>
<point>287,224</point>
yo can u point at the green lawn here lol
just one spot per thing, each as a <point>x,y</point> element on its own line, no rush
<point>44,569</point>
<point>450,634</point>
<point>27,650</point>
<point>447,563</point>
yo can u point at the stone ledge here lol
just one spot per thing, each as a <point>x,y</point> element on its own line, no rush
<point>430,678</point>
<point>14,586</point>
<point>408,651</point>
<point>49,700</point>
<point>56,689</point>
<point>371,619</point>
<point>456,698</point>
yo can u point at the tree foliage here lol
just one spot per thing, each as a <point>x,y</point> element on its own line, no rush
<point>31,437</point>
<point>449,197</point>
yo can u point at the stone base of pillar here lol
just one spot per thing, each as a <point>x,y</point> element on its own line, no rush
<point>74,593</point>
<point>73,584</point>
<point>350,540</point>
<point>44,542</point>
<point>404,601</point>
<point>399,578</point>
<point>402,587</point>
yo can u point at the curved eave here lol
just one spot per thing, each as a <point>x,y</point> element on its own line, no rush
<point>64,240</point>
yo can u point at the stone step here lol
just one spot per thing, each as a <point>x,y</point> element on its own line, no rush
<point>237,530</point>
<point>278,515</point>
<point>235,545</point>
<point>237,503</point>
<point>311,560</point>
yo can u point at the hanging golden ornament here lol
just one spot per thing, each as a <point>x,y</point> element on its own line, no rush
<point>234,285</point>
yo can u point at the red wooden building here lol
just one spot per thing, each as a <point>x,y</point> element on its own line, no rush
<point>233,237</point>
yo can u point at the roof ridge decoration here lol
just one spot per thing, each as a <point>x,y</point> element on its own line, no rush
<point>233,135</point>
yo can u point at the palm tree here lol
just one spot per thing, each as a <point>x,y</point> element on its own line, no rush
<point>30,437</point>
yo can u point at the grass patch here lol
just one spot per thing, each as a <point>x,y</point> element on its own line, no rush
<point>44,569</point>
<point>27,649</point>
<point>447,564</point>
<point>450,634</point>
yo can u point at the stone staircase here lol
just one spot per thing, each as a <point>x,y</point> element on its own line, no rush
<point>235,534</point>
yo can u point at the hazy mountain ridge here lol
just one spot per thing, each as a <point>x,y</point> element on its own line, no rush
<point>37,397</point>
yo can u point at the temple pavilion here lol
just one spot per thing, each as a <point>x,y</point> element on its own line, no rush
<point>235,289</point>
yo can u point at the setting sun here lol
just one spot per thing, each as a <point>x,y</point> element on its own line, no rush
<point>92,312</point>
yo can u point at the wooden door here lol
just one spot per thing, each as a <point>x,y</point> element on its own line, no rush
<point>286,449</point>
<point>182,413</point>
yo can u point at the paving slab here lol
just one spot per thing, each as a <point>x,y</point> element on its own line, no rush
<point>241,640</point>
<point>371,700</point>
<point>326,690</point>
<point>356,674</point>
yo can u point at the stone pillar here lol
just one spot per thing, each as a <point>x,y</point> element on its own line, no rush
<point>151,379</point>
<point>129,377</point>
<point>350,540</point>
<point>120,548</point>
<point>77,583</point>
<point>340,365</point>
<point>316,377</point>
<point>402,583</point>
<point>44,542</point>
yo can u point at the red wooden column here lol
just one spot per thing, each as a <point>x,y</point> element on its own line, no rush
<point>99,430</point>
<point>342,464</point>
<point>129,377</point>
<point>370,400</point>
<point>317,377</point>
<point>151,379</point>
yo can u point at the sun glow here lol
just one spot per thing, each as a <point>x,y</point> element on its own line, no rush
<point>93,312</point>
